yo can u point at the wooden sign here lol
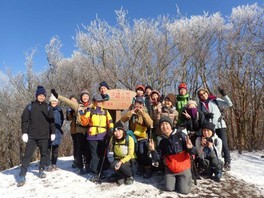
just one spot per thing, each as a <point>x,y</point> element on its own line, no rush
<point>120,99</point>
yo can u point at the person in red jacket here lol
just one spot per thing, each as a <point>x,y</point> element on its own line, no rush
<point>176,148</point>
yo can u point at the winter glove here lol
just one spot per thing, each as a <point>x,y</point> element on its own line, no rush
<point>52,137</point>
<point>54,93</point>
<point>208,115</point>
<point>25,137</point>
<point>81,112</point>
<point>69,110</point>
<point>110,133</point>
<point>221,91</point>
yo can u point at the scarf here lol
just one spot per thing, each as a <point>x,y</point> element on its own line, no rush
<point>192,112</point>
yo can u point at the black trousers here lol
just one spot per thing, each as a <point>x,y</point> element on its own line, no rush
<point>125,169</point>
<point>31,146</point>
<point>97,148</point>
<point>83,150</point>
<point>74,141</point>
<point>221,133</point>
<point>143,159</point>
<point>53,151</point>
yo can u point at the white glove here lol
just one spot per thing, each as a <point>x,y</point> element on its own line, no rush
<point>25,137</point>
<point>52,137</point>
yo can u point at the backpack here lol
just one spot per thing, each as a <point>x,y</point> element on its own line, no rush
<point>131,134</point>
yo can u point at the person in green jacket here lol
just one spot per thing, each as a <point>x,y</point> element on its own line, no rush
<point>182,99</point>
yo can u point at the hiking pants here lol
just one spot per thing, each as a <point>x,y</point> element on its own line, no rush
<point>83,150</point>
<point>31,146</point>
<point>181,182</point>
<point>74,141</point>
<point>53,153</point>
<point>221,133</point>
<point>97,148</point>
<point>143,159</point>
<point>125,169</point>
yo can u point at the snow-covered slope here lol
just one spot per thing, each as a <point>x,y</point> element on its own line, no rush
<point>246,179</point>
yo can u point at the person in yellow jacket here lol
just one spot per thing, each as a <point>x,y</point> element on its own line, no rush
<point>100,129</point>
<point>139,122</point>
<point>124,154</point>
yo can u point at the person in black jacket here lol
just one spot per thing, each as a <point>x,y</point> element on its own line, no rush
<point>176,148</point>
<point>193,119</point>
<point>37,124</point>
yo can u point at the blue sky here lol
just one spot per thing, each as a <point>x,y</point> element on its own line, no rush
<point>27,24</point>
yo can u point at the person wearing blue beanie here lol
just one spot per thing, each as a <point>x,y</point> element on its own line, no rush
<point>41,90</point>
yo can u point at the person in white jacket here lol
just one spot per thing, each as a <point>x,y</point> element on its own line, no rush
<point>209,148</point>
<point>211,106</point>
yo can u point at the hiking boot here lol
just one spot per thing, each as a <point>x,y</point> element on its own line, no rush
<point>42,174</point>
<point>81,172</point>
<point>50,168</point>
<point>94,179</point>
<point>148,173</point>
<point>21,181</point>
<point>55,167</point>
<point>218,177</point>
<point>121,181</point>
<point>74,165</point>
<point>129,181</point>
<point>227,166</point>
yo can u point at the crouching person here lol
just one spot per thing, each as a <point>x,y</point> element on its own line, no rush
<point>124,154</point>
<point>209,148</point>
<point>176,147</point>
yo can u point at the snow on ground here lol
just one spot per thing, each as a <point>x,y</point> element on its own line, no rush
<point>249,167</point>
<point>246,179</point>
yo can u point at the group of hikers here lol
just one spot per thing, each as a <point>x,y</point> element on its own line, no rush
<point>173,135</point>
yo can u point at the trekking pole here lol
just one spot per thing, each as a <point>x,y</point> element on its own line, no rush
<point>193,170</point>
<point>102,164</point>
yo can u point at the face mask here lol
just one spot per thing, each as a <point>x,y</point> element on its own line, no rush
<point>192,112</point>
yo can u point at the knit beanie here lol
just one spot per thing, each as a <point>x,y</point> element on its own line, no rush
<point>191,102</point>
<point>165,119</point>
<point>171,97</point>
<point>155,92</point>
<point>53,98</point>
<point>85,91</point>
<point>140,87</point>
<point>103,84</point>
<point>41,90</point>
<point>119,125</point>
<point>210,126</point>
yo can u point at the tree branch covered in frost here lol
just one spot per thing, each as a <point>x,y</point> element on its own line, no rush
<point>204,51</point>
